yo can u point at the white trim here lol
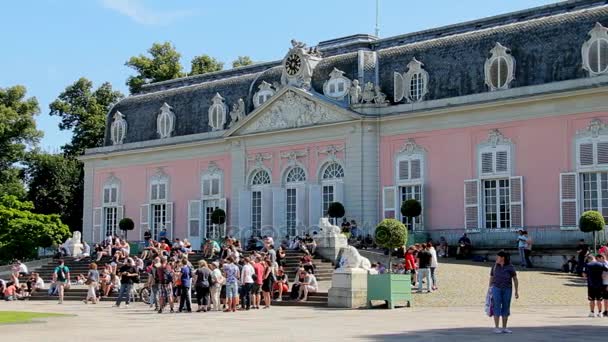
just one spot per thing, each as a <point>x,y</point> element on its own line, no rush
<point>513,204</point>
<point>386,194</point>
<point>144,219</point>
<point>568,200</point>
<point>499,52</point>
<point>494,144</point>
<point>472,205</point>
<point>598,34</point>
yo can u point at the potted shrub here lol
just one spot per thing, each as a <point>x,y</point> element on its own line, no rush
<point>218,217</point>
<point>390,287</point>
<point>591,222</point>
<point>335,211</point>
<point>125,225</point>
<point>410,209</point>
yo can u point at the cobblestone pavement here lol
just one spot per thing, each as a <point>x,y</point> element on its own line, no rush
<point>466,284</point>
<point>552,307</point>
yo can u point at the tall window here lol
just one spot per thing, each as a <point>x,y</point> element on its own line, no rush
<point>212,230</point>
<point>328,197</point>
<point>256,212</point>
<point>411,192</point>
<point>496,201</point>
<point>291,212</point>
<point>332,178</point>
<point>110,207</point>
<point>158,206</point>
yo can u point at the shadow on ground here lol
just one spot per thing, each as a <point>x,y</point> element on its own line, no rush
<point>552,333</point>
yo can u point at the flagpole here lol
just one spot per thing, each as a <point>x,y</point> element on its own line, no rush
<point>377,18</point>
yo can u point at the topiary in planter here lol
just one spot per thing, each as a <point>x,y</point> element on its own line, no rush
<point>336,210</point>
<point>591,222</point>
<point>126,224</point>
<point>411,208</point>
<point>391,234</point>
<point>218,216</point>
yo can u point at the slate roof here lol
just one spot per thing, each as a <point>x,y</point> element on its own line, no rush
<point>545,42</point>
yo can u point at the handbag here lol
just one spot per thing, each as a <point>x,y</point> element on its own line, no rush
<point>489,307</point>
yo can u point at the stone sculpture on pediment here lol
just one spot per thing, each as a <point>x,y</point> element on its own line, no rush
<point>238,112</point>
<point>355,92</point>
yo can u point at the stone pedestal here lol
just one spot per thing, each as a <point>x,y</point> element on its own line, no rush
<point>348,289</point>
<point>329,246</point>
<point>77,249</point>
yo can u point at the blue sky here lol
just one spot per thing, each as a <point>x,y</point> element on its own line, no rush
<point>48,44</point>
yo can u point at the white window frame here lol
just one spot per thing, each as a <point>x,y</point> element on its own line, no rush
<point>264,93</point>
<point>598,34</point>
<point>403,82</point>
<point>494,151</point>
<point>410,151</point>
<point>496,205</point>
<point>255,189</point>
<point>332,85</point>
<point>499,52</point>
<point>295,186</point>
<point>112,204</point>
<point>165,122</point>
<point>217,113</point>
<point>118,130</point>
<point>207,180</point>
<point>419,225</point>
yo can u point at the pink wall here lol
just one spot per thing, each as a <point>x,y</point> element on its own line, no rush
<point>184,185</point>
<point>310,161</point>
<point>542,149</point>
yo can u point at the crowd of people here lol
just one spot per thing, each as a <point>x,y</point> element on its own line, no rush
<point>21,284</point>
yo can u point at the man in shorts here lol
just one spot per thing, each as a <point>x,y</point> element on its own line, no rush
<point>593,271</point>
<point>61,277</point>
<point>258,280</point>
<point>231,273</point>
<point>163,277</point>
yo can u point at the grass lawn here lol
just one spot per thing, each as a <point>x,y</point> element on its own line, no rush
<point>24,317</point>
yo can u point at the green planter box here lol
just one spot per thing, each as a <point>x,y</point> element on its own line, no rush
<point>134,248</point>
<point>389,287</point>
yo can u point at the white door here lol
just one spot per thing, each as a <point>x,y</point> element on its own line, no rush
<point>194,224</point>
<point>209,229</point>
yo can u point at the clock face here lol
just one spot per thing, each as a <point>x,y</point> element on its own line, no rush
<point>293,64</point>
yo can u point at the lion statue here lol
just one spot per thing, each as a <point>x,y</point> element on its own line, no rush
<point>327,229</point>
<point>352,259</point>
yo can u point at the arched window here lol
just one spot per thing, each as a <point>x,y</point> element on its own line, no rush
<point>331,185</point>
<point>595,51</point>
<point>112,211</point>
<point>499,68</point>
<point>413,84</point>
<point>118,130</point>
<point>261,177</point>
<point>217,113</point>
<point>264,93</point>
<point>337,86</point>
<point>165,122</point>
<point>333,171</point>
<point>296,175</point>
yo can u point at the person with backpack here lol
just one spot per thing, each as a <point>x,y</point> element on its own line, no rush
<point>202,281</point>
<point>163,277</point>
<point>61,278</point>
<point>186,282</point>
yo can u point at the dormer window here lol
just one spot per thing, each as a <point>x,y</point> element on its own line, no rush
<point>264,94</point>
<point>413,84</point>
<point>337,86</point>
<point>595,51</point>
<point>217,113</point>
<point>118,130</point>
<point>165,122</point>
<point>499,68</point>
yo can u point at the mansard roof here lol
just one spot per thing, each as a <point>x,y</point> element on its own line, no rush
<point>544,41</point>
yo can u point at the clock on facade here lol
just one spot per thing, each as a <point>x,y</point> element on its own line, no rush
<point>293,63</point>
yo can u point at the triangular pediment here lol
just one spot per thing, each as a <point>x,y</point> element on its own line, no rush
<point>291,108</point>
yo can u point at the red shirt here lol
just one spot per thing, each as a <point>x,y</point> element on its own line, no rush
<point>410,262</point>
<point>259,272</point>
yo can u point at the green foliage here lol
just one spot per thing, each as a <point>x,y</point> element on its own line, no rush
<point>22,231</point>
<point>17,133</point>
<point>83,110</point>
<point>163,65</point>
<point>55,186</point>
<point>336,210</point>
<point>218,216</point>
<point>391,233</point>
<point>126,224</point>
<point>591,221</point>
<point>242,61</point>
<point>411,208</point>
<point>203,64</point>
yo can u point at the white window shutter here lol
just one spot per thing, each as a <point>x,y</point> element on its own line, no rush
<point>339,193</point>
<point>585,154</point>
<point>388,202</point>
<point>568,198</point>
<point>97,213</point>
<point>315,205</point>
<point>502,161</point>
<point>301,208</point>
<point>471,204</point>
<point>602,153</point>
<point>279,198</point>
<point>267,207</point>
<point>404,170</point>
<point>169,219</point>
<point>516,185</point>
<point>223,204</point>
<point>398,86</point>
<point>422,205</point>
<point>415,169</point>
<point>194,218</point>
<point>245,212</point>
<point>144,219</point>
<point>487,162</point>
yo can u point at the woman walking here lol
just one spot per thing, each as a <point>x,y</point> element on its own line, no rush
<point>92,281</point>
<point>502,280</point>
<point>201,281</point>
<point>267,284</point>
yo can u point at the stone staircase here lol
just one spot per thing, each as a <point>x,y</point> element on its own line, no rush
<point>323,272</point>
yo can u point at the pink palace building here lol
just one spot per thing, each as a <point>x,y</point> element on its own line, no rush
<point>493,125</point>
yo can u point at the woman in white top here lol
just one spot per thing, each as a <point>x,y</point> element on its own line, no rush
<point>434,264</point>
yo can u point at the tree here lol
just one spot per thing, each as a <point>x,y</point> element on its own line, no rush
<point>17,133</point>
<point>335,210</point>
<point>22,231</point>
<point>126,224</point>
<point>591,221</point>
<point>203,64</point>
<point>55,186</point>
<point>163,65</point>
<point>391,234</point>
<point>83,110</point>
<point>242,61</point>
<point>410,209</point>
